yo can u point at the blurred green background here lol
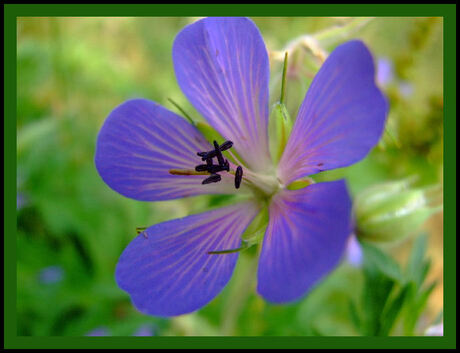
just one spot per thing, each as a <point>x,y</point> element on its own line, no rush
<point>71,72</point>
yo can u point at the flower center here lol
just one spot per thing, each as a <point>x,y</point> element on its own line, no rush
<point>263,185</point>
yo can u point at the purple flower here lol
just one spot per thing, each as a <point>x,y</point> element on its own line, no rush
<point>222,66</point>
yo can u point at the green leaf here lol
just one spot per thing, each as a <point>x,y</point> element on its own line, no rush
<point>373,256</point>
<point>354,315</point>
<point>423,299</point>
<point>417,255</point>
<point>392,311</point>
<point>417,267</point>
<point>377,289</point>
<point>34,133</point>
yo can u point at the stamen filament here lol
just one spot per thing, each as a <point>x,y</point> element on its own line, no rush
<point>236,159</point>
<point>186,172</point>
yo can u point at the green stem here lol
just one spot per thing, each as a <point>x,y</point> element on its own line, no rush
<point>239,293</point>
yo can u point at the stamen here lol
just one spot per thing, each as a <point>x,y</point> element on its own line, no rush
<point>214,178</point>
<point>206,155</point>
<point>226,166</point>
<point>213,153</point>
<point>202,167</point>
<point>226,145</point>
<point>212,168</point>
<point>219,156</point>
<point>238,176</point>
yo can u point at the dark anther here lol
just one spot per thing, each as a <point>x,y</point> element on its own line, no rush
<point>219,168</point>
<point>226,145</point>
<point>219,156</point>
<point>202,168</point>
<point>207,155</point>
<point>238,177</point>
<point>214,178</point>
<point>212,168</point>
<point>226,166</point>
<point>211,154</point>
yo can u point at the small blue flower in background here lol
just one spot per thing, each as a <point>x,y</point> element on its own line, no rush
<point>354,252</point>
<point>21,200</point>
<point>99,331</point>
<point>386,76</point>
<point>385,71</point>
<point>222,66</point>
<point>405,88</point>
<point>51,274</point>
<point>435,330</point>
<point>144,330</point>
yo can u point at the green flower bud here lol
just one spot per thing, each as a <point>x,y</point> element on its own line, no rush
<point>394,210</point>
<point>280,124</point>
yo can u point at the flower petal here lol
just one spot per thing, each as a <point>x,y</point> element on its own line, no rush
<point>168,271</point>
<point>341,118</point>
<point>222,67</point>
<point>140,142</point>
<point>305,238</point>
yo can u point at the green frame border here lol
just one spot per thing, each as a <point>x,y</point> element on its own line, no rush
<point>447,11</point>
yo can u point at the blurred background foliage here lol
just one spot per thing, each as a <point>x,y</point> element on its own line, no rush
<point>71,72</point>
